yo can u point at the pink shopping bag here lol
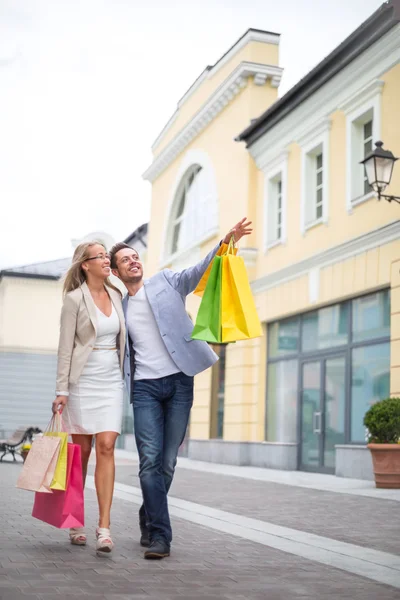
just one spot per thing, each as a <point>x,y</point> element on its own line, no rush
<point>64,509</point>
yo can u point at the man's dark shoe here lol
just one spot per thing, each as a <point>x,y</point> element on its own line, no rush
<point>157,549</point>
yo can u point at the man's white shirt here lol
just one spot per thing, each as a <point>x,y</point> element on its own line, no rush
<point>152,359</point>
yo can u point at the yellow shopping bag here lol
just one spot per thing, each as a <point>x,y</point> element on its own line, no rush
<point>60,474</point>
<point>239,318</point>
<point>201,286</point>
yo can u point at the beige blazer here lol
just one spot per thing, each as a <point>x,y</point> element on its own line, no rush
<point>78,334</point>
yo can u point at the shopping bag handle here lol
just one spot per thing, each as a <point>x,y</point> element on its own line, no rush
<point>231,246</point>
<point>56,423</point>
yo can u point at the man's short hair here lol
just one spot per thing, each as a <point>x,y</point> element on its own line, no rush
<point>115,249</point>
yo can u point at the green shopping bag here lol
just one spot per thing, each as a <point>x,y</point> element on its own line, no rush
<point>208,322</point>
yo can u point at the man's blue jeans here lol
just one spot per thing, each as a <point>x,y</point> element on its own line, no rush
<point>161,409</point>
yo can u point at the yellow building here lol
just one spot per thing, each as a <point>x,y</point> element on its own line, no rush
<point>324,259</point>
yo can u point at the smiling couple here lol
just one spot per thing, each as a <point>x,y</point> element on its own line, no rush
<point>144,338</point>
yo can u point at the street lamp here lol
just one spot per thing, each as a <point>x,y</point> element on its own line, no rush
<point>378,169</point>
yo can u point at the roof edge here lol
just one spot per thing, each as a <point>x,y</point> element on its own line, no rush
<point>21,275</point>
<point>208,72</point>
<point>378,24</point>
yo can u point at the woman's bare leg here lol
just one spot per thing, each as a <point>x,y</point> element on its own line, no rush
<point>104,475</point>
<point>85,442</point>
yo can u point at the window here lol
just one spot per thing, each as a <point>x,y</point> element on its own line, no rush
<point>367,143</point>
<point>362,135</point>
<point>314,177</point>
<point>283,338</point>
<point>218,394</point>
<point>370,382</point>
<point>363,113</point>
<point>275,203</point>
<point>189,196</point>
<point>325,328</point>
<point>340,355</point>
<point>282,401</point>
<point>193,209</point>
<point>274,211</point>
<point>371,317</point>
<point>319,188</point>
<point>314,209</point>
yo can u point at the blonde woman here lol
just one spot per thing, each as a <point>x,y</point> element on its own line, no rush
<point>89,378</point>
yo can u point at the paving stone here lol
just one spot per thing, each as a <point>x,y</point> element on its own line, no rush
<point>204,564</point>
<point>357,520</point>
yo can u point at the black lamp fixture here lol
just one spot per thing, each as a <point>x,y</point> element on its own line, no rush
<point>379,169</point>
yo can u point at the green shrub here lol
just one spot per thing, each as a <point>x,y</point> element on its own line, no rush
<point>383,421</point>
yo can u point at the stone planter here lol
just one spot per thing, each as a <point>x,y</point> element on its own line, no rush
<point>24,454</point>
<point>386,463</point>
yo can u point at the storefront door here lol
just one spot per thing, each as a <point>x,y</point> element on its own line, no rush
<point>322,414</point>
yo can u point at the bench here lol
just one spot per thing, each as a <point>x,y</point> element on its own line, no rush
<point>14,444</point>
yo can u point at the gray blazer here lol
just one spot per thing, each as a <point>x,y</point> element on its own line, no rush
<point>166,292</point>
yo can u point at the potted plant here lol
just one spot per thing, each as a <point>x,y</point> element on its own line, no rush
<point>24,450</point>
<point>383,423</point>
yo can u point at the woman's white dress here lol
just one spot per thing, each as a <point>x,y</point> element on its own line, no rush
<point>95,403</point>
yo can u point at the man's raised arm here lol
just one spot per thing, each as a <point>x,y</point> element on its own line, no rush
<point>187,280</point>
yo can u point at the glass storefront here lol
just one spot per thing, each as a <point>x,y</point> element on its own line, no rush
<point>218,393</point>
<point>282,401</point>
<point>325,369</point>
<point>370,382</point>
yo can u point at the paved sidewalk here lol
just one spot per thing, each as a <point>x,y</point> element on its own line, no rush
<point>360,520</point>
<point>38,562</point>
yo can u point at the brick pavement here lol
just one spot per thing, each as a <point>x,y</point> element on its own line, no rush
<point>38,562</point>
<point>357,520</point>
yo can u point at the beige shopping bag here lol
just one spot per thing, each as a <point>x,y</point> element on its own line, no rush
<point>40,464</point>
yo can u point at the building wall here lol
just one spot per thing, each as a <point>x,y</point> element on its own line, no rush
<point>341,225</point>
<point>29,329</point>
<point>30,314</point>
<point>235,174</point>
<point>309,269</point>
<point>232,167</point>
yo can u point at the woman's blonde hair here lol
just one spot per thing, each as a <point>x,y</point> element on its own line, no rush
<point>75,275</point>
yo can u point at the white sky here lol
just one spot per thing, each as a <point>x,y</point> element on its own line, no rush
<point>87,85</point>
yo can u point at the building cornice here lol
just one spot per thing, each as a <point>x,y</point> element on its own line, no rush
<point>362,96</point>
<point>225,93</point>
<point>336,94</point>
<point>252,35</point>
<point>373,239</point>
<point>318,129</point>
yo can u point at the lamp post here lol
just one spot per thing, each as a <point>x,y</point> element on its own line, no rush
<point>379,169</point>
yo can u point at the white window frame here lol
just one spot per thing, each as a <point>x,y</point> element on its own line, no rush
<point>364,142</point>
<point>275,171</point>
<point>362,107</point>
<point>312,144</point>
<point>191,158</point>
<point>183,190</point>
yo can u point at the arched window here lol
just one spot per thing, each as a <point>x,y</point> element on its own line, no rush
<point>194,212</point>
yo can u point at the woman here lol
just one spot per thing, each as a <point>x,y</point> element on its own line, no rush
<point>89,380</point>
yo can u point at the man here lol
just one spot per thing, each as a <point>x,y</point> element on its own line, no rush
<point>161,360</point>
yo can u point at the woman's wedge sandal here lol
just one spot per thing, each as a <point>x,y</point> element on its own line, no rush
<point>77,536</point>
<point>104,543</point>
